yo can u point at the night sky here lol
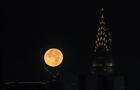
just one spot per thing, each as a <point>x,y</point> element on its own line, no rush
<point>30,28</point>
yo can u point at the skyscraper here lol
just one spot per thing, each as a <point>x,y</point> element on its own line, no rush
<point>103,61</point>
<point>102,66</point>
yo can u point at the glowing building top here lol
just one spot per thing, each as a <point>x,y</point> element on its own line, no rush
<point>103,38</point>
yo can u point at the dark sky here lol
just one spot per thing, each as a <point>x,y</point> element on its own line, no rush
<point>30,28</point>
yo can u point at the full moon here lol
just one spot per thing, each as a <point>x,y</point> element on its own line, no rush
<point>53,57</point>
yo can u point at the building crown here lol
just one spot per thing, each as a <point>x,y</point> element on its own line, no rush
<point>103,40</point>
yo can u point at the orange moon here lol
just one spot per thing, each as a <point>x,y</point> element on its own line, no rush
<point>53,57</point>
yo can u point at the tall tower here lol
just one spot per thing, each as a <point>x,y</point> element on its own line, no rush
<point>102,66</point>
<point>102,75</point>
<point>103,62</point>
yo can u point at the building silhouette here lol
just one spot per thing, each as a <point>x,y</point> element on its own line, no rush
<point>101,75</point>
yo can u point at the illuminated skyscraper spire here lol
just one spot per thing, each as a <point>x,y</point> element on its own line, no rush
<point>103,37</point>
<point>102,65</point>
